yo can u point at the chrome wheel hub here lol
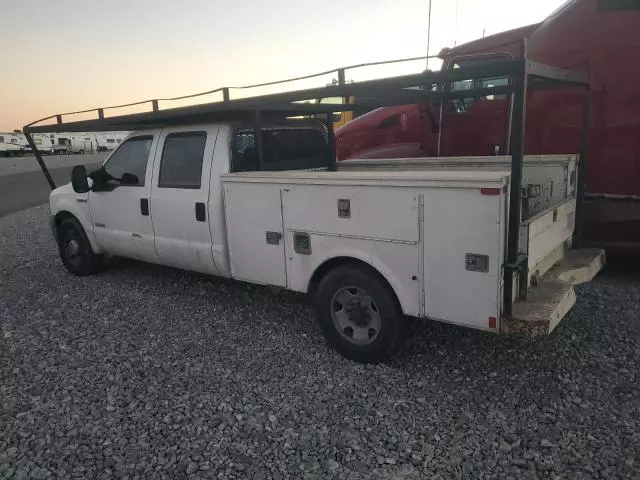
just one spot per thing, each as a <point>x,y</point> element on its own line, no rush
<point>355,315</point>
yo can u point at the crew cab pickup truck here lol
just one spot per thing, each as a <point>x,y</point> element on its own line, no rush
<point>371,246</point>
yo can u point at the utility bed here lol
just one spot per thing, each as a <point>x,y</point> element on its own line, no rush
<point>437,236</point>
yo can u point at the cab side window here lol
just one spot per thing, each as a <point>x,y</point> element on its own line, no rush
<point>181,163</point>
<point>128,164</point>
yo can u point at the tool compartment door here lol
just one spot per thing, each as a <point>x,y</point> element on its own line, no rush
<point>254,232</point>
<point>377,225</point>
<point>373,212</point>
<point>464,233</point>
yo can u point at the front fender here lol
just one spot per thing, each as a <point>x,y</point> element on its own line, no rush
<point>80,210</point>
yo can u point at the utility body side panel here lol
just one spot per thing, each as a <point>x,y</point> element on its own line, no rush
<point>546,179</point>
<point>381,228</point>
<point>398,263</point>
<point>418,230</point>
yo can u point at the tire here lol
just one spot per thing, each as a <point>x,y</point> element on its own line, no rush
<point>359,314</point>
<point>78,257</point>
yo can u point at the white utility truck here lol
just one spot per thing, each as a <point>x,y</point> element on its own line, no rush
<point>370,243</point>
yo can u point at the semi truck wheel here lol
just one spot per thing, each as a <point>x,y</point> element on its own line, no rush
<point>75,250</point>
<point>359,314</point>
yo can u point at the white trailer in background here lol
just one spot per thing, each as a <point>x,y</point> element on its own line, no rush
<point>82,143</point>
<point>43,143</point>
<point>8,149</point>
<point>61,143</point>
<point>66,143</point>
<point>108,140</point>
<point>15,138</point>
<point>79,142</point>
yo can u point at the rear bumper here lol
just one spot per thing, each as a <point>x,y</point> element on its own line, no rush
<point>549,302</point>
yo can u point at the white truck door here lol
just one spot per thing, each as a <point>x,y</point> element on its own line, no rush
<point>180,198</point>
<point>119,201</point>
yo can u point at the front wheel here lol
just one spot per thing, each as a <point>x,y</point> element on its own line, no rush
<point>359,314</point>
<point>75,250</point>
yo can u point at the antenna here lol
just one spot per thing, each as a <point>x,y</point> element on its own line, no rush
<point>455,30</point>
<point>428,33</point>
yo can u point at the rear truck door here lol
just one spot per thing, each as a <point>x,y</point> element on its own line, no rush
<point>119,200</point>
<point>180,198</point>
<point>474,125</point>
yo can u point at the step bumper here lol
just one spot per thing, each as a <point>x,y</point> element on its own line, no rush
<point>550,301</point>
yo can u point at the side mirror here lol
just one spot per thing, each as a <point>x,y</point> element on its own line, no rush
<point>79,180</point>
<point>336,116</point>
<point>129,179</point>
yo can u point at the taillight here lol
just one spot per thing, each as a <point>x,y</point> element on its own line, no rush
<point>493,191</point>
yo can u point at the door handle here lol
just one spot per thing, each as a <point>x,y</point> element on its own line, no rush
<point>201,215</point>
<point>144,206</point>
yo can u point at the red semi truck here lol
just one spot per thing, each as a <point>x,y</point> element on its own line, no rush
<point>600,37</point>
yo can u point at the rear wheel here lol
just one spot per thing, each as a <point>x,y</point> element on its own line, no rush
<point>359,314</point>
<point>75,250</point>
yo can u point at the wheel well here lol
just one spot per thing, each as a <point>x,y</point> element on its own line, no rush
<point>329,265</point>
<point>60,216</point>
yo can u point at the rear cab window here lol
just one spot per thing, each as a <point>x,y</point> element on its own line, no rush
<point>181,161</point>
<point>285,148</point>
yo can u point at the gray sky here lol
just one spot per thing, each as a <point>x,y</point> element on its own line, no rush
<point>75,54</point>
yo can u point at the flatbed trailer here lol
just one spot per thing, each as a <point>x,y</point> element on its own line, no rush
<point>442,243</point>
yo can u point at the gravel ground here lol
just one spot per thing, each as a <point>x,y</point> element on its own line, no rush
<point>148,372</point>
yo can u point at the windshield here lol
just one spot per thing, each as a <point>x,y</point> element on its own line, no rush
<point>562,8</point>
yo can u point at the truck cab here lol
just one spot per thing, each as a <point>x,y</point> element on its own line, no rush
<point>157,197</point>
